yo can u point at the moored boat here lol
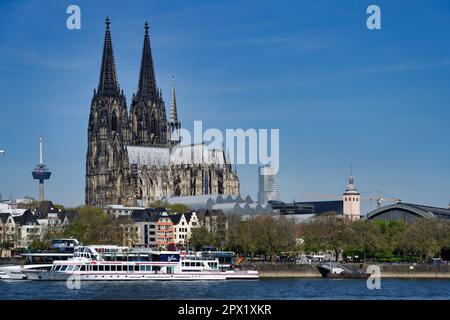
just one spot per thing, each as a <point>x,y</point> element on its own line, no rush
<point>339,272</point>
<point>99,263</point>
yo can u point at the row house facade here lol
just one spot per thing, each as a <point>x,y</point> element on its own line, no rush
<point>184,223</point>
<point>165,236</point>
<point>155,228</point>
<point>19,230</point>
<point>213,220</point>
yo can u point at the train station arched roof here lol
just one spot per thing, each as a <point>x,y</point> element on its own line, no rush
<point>407,212</point>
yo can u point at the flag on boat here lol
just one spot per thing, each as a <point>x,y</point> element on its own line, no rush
<point>239,260</point>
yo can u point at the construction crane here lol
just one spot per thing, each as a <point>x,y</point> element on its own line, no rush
<point>378,198</point>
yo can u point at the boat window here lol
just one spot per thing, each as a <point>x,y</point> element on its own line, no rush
<point>95,268</point>
<point>136,268</point>
<point>101,268</point>
<point>113,268</point>
<point>148,268</point>
<point>142,268</point>
<point>119,268</point>
<point>77,268</point>
<point>70,268</point>
<point>198,264</point>
<point>63,268</point>
<point>108,268</point>
<point>83,268</point>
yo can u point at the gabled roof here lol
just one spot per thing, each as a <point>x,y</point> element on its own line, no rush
<point>4,217</point>
<point>27,218</point>
<point>44,209</point>
<point>188,216</point>
<point>202,213</point>
<point>154,213</point>
<point>69,214</point>
<point>140,216</point>
<point>176,218</point>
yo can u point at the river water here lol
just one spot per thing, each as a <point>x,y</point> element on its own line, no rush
<point>235,290</point>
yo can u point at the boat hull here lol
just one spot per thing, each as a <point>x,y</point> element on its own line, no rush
<point>236,275</point>
<point>12,273</point>
<point>62,276</point>
<point>327,272</point>
<point>348,276</point>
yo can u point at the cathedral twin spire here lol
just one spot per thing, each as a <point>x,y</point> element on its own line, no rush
<point>147,89</point>
<point>108,85</point>
<point>148,112</point>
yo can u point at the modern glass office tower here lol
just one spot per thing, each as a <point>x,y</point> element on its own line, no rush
<point>267,185</point>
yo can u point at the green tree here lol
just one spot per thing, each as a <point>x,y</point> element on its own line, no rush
<point>232,235</point>
<point>39,245</point>
<point>366,237</point>
<point>198,238</point>
<point>273,235</point>
<point>328,232</point>
<point>421,239</point>
<point>246,241</point>
<point>94,226</point>
<point>178,208</point>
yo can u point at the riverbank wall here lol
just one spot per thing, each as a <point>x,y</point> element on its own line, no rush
<point>287,270</point>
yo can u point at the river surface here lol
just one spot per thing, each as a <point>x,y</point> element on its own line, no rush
<point>275,289</point>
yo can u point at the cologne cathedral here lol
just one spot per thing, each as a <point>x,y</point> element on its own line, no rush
<point>135,157</point>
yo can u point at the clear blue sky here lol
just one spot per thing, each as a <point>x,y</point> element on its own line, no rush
<point>339,93</point>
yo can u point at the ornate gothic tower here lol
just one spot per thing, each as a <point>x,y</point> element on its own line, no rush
<point>108,133</point>
<point>148,112</point>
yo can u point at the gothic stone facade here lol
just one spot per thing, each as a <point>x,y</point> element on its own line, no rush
<point>131,157</point>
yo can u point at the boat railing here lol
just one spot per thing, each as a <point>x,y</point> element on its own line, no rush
<point>330,265</point>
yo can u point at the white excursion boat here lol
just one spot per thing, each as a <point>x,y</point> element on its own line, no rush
<point>4,276</point>
<point>33,261</point>
<point>62,250</point>
<point>227,264</point>
<point>121,263</point>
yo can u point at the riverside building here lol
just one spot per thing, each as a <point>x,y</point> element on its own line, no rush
<point>267,185</point>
